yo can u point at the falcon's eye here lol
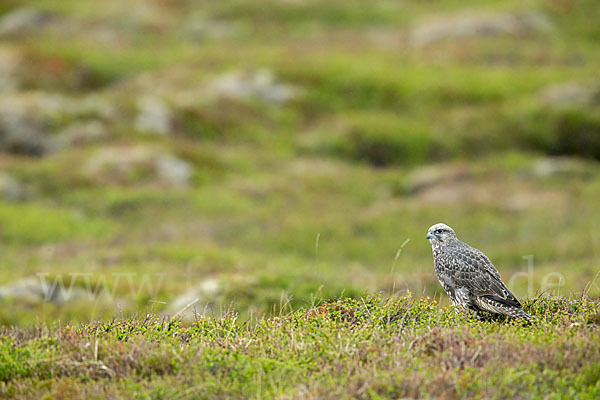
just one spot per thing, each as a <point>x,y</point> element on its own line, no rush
<point>438,231</point>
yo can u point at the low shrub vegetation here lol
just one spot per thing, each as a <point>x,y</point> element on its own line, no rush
<point>369,347</point>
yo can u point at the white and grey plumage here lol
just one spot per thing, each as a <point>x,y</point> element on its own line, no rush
<point>469,277</point>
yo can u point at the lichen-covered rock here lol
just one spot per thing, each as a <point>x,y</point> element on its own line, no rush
<point>40,123</point>
<point>200,299</point>
<point>11,189</point>
<point>81,133</point>
<point>35,290</point>
<point>138,165</point>
<point>563,167</point>
<point>570,94</point>
<point>23,21</point>
<point>258,85</point>
<point>172,170</point>
<point>24,126</point>
<point>154,116</point>
<point>195,28</point>
<point>478,24</point>
<point>211,296</point>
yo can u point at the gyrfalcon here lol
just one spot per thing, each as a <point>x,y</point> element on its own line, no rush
<point>469,277</point>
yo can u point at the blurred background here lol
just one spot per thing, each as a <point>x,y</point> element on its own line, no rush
<point>266,154</point>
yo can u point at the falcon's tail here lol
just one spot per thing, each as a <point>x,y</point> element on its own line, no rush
<point>510,307</point>
<point>514,312</point>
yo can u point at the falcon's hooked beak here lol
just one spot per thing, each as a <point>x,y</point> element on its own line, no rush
<point>430,235</point>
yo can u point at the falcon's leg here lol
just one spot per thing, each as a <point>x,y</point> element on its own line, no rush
<point>457,307</point>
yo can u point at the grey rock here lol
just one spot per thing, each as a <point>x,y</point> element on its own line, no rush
<point>81,133</point>
<point>201,299</point>
<point>570,95</point>
<point>23,21</point>
<point>173,170</point>
<point>563,167</point>
<point>210,296</point>
<point>11,189</point>
<point>478,24</point>
<point>154,116</point>
<point>258,85</point>
<point>22,129</point>
<point>30,122</point>
<point>124,165</point>
<point>200,29</point>
<point>36,290</point>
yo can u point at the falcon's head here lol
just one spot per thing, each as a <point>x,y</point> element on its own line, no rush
<point>440,233</point>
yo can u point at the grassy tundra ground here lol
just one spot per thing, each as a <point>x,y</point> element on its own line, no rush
<point>397,347</point>
<point>264,153</point>
<point>260,155</point>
